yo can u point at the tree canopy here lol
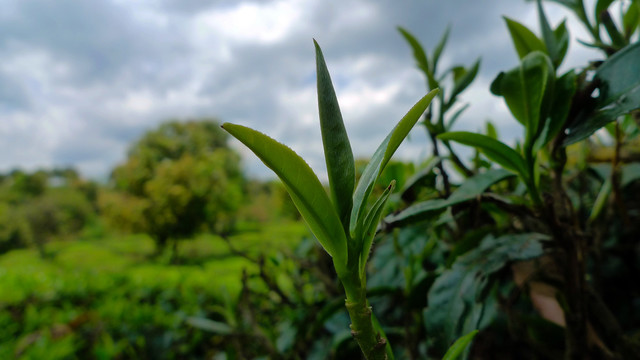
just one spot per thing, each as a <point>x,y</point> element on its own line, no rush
<point>178,179</point>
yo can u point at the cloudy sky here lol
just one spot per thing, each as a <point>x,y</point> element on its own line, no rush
<point>81,80</point>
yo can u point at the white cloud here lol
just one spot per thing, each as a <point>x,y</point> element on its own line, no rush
<point>79,82</point>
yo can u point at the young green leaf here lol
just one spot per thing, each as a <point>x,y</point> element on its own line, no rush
<point>303,186</point>
<point>561,35</point>
<point>420,56</point>
<point>523,39</point>
<point>438,49</point>
<point>525,89</point>
<point>371,224</point>
<point>459,346</point>
<point>493,149</point>
<point>337,149</point>
<point>557,41</point>
<point>381,157</point>
<point>465,80</point>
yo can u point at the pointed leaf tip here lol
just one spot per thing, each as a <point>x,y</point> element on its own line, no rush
<point>303,186</point>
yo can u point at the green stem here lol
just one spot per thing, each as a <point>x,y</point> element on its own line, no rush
<point>371,343</point>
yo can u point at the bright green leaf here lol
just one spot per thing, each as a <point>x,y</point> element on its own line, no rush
<point>491,130</point>
<point>493,149</point>
<point>371,224</point>
<point>459,346</point>
<point>381,157</point>
<point>337,149</point>
<point>523,39</point>
<point>303,186</point>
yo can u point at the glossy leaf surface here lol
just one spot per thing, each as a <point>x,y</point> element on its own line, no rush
<point>458,298</point>
<point>381,157</point>
<point>303,186</point>
<point>337,149</point>
<point>493,149</point>
<point>618,80</point>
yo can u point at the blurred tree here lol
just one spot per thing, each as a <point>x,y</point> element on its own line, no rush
<point>37,206</point>
<point>178,180</point>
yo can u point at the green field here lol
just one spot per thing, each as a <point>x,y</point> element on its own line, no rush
<point>110,297</point>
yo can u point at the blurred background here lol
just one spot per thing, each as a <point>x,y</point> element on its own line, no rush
<point>131,226</point>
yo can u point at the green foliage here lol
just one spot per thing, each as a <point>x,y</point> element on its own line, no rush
<point>303,186</point>
<point>105,298</point>
<point>177,181</point>
<point>34,211</point>
<point>348,242</point>
<point>456,299</point>
<point>618,83</point>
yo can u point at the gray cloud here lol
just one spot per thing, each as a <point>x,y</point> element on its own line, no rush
<point>80,81</point>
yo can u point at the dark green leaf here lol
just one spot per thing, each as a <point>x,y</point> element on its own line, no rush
<point>381,157</point>
<point>420,56</point>
<point>556,41</point>
<point>469,190</point>
<point>527,89</point>
<point>600,8</point>
<point>337,149</point>
<point>612,30</point>
<point>303,186</point>
<point>465,80</point>
<point>561,35</point>
<point>523,39</point>
<point>493,149</point>
<point>459,346</point>
<point>565,88</point>
<point>631,19</point>
<point>456,299</point>
<point>416,179</point>
<point>618,81</point>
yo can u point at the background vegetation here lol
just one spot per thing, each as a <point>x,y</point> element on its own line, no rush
<point>181,256</point>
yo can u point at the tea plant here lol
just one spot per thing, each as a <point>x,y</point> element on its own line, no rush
<point>343,224</point>
<point>553,239</point>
